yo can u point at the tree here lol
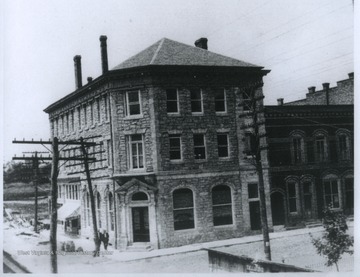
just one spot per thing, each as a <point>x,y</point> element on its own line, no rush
<point>334,242</point>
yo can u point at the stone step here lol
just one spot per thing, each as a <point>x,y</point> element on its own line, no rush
<point>139,247</point>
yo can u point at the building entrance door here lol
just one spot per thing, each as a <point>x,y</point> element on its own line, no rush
<point>255,219</point>
<point>308,198</point>
<point>140,222</point>
<point>277,208</point>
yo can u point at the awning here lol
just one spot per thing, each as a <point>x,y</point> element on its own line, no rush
<point>68,210</point>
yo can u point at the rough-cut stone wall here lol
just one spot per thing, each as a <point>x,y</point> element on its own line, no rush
<point>201,186</point>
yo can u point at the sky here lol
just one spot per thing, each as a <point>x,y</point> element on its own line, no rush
<point>303,42</point>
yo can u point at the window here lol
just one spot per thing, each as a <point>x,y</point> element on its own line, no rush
<point>106,107</point>
<point>175,147</point>
<point>320,150</point>
<point>98,209</point>
<point>79,116</point>
<point>56,128</point>
<point>343,144</point>
<point>250,144</point>
<point>101,149</point>
<point>307,188</point>
<point>85,115</point>
<point>92,113</point>
<point>67,123</point>
<point>133,103</point>
<point>220,101</point>
<point>62,125</point>
<point>223,145</point>
<point>199,147</point>
<point>139,196</point>
<point>172,101</point>
<point>108,152</point>
<point>349,195</point>
<point>297,143</point>
<point>196,101</point>
<point>72,121</point>
<point>111,212</point>
<point>98,110</point>
<point>60,192</point>
<point>222,206</point>
<point>183,208</point>
<point>331,193</point>
<point>292,197</point>
<point>253,191</point>
<point>136,152</point>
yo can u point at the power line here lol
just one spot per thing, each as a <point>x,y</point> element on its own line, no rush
<point>295,28</point>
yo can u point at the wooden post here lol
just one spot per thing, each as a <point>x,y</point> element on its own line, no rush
<point>92,201</point>
<point>36,170</point>
<point>54,192</point>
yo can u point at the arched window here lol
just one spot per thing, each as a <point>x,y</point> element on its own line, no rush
<point>139,196</point>
<point>111,212</point>
<point>343,145</point>
<point>297,147</point>
<point>321,146</point>
<point>98,209</point>
<point>331,191</point>
<point>183,207</point>
<point>222,205</point>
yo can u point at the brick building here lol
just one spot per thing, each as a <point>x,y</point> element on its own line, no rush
<point>173,167</point>
<point>311,154</point>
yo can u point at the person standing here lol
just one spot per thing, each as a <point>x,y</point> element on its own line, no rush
<point>105,237</point>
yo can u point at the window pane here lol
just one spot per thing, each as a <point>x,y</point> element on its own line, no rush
<point>292,190</point>
<point>184,219</point>
<point>182,198</point>
<point>171,94</point>
<point>222,215</point>
<point>134,109</point>
<point>222,139</point>
<point>172,107</point>
<point>195,94</point>
<point>196,106</point>
<point>334,187</point>
<point>133,96</point>
<point>139,196</point>
<point>292,205</point>
<point>221,195</point>
<point>198,139</point>
<point>253,191</point>
<point>327,187</point>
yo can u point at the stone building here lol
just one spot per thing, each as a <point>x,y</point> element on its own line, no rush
<point>172,157</point>
<point>311,154</point>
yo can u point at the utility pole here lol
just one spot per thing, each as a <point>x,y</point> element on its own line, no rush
<point>35,166</point>
<point>255,108</point>
<point>54,195</point>
<point>54,190</point>
<point>92,200</point>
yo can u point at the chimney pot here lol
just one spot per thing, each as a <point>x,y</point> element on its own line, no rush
<point>202,43</point>
<point>311,89</point>
<point>351,75</point>
<point>326,86</point>
<point>78,76</point>
<point>104,57</point>
<point>280,101</point>
<point>89,79</point>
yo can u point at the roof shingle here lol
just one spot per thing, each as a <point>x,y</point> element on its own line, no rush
<point>169,52</point>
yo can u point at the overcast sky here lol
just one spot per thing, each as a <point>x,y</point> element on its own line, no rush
<point>303,42</point>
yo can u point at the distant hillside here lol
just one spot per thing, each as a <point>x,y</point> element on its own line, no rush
<point>23,191</point>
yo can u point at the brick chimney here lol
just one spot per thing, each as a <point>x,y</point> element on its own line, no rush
<point>280,101</point>
<point>326,87</point>
<point>351,75</point>
<point>202,43</point>
<point>311,89</point>
<point>78,77</point>
<point>104,57</point>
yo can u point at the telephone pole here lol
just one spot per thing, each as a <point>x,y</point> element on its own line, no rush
<point>54,190</point>
<point>255,107</point>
